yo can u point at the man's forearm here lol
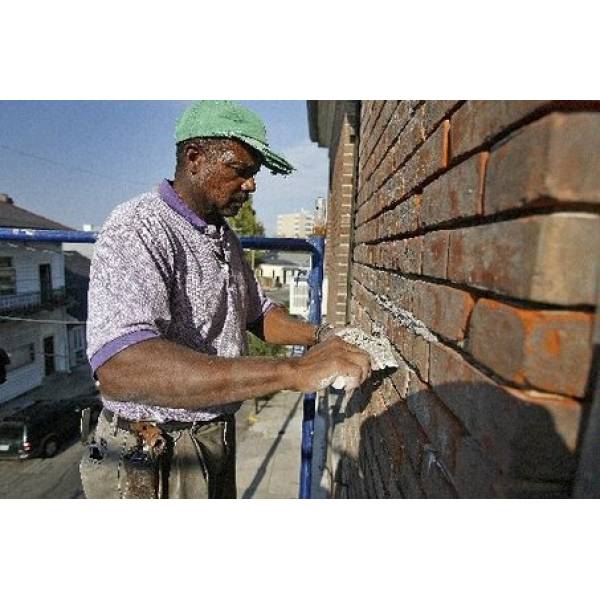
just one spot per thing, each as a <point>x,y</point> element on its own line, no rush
<point>162,373</point>
<point>279,327</point>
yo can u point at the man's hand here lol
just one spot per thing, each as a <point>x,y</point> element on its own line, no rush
<point>330,360</point>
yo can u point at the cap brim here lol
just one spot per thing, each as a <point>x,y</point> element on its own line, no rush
<point>274,162</point>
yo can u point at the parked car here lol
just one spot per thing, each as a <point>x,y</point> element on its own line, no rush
<point>40,429</point>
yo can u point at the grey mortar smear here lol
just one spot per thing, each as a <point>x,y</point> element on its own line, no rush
<point>407,319</point>
<point>378,346</point>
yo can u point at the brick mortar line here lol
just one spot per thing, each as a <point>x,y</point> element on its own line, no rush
<point>481,293</point>
<point>511,214</point>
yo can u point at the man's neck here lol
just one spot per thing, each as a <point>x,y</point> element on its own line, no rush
<point>184,192</point>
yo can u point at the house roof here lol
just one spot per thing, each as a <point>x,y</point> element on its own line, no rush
<point>19,218</point>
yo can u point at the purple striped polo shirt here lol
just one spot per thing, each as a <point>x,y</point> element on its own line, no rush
<point>160,271</point>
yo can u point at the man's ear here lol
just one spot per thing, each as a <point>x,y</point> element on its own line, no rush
<point>195,156</point>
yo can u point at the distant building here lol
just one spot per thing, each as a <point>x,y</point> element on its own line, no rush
<point>33,305</point>
<point>295,225</point>
<point>278,268</point>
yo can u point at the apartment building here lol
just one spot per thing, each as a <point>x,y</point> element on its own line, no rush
<point>34,319</point>
<point>295,225</point>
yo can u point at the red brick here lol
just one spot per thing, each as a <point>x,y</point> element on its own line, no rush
<point>554,158</point>
<point>435,254</point>
<point>434,482</point>
<point>478,122</point>
<point>443,309</point>
<point>404,218</point>
<point>475,473</point>
<point>408,481</point>
<point>439,424</point>
<point>548,350</point>
<point>456,194</point>
<point>408,431</point>
<point>434,111</point>
<point>529,436</point>
<point>408,141</point>
<point>515,488</point>
<point>430,158</point>
<point>548,258</point>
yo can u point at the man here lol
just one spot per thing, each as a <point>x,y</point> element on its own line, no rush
<point>170,300</point>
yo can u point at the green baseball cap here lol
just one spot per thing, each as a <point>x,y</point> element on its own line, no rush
<point>226,119</point>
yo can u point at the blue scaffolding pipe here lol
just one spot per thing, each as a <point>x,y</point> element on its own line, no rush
<point>314,245</point>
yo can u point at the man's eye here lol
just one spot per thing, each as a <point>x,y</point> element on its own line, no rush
<point>246,172</point>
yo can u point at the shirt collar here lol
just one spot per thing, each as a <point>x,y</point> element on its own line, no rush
<point>172,198</point>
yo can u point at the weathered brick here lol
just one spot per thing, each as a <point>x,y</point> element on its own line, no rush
<point>401,255</point>
<point>477,122</point>
<point>530,436</point>
<point>553,158</point>
<point>408,480</point>
<point>404,218</point>
<point>439,424</point>
<point>548,350</point>
<point>475,473</point>
<point>408,141</point>
<point>515,488</point>
<point>434,111</point>
<point>435,254</point>
<point>443,309</point>
<point>548,258</point>
<point>434,482</point>
<point>408,430</point>
<point>430,158</point>
<point>457,194</point>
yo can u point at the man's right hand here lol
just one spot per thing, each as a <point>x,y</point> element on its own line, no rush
<point>328,361</point>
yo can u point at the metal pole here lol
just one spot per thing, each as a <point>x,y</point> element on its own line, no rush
<point>315,286</point>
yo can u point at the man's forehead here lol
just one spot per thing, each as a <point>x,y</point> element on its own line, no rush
<point>237,152</point>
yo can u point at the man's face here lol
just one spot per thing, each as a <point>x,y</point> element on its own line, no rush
<point>225,179</point>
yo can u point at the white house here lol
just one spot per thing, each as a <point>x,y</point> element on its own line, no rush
<point>33,304</point>
<point>278,268</point>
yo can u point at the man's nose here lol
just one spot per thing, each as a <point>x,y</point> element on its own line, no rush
<point>249,185</point>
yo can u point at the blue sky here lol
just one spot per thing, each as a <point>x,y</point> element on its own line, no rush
<point>109,151</point>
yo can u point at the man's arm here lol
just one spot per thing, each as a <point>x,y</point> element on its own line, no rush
<point>277,326</point>
<point>161,373</point>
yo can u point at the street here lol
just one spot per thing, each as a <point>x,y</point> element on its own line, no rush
<point>56,477</point>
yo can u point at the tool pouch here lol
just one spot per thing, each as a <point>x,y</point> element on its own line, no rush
<point>140,475</point>
<point>141,465</point>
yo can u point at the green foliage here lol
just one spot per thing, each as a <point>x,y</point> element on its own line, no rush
<point>245,222</point>
<point>256,347</point>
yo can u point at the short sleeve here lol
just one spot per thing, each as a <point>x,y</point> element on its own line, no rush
<point>128,298</point>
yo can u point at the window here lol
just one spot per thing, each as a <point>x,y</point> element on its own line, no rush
<point>8,277</point>
<point>21,357</point>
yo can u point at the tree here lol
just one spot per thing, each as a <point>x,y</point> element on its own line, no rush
<point>245,224</point>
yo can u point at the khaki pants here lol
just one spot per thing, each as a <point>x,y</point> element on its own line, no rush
<point>199,462</point>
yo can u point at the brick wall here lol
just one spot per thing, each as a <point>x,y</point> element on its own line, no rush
<point>475,237</point>
<point>342,156</point>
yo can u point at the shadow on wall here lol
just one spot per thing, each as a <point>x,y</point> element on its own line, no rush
<point>417,447</point>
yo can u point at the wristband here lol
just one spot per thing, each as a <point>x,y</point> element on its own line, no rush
<point>321,330</point>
